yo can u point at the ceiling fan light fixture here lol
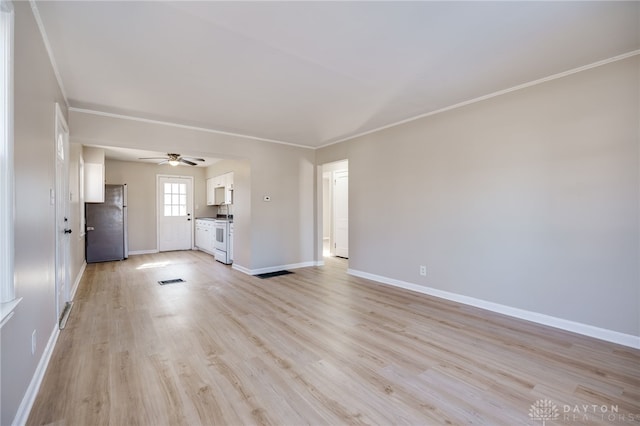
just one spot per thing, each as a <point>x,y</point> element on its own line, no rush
<point>175,160</point>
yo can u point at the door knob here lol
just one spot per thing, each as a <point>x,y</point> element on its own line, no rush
<point>68,231</point>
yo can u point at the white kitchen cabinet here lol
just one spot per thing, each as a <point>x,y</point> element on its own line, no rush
<point>93,174</point>
<point>220,190</point>
<point>93,183</point>
<point>219,181</point>
<point>205,235</point>
<point>231,242</point>
<point>211,192</point>
<point>228,188</point>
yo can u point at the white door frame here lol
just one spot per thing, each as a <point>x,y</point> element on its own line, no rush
<point>337,204</point>
<point>62,212</point>
<point>190,208</point>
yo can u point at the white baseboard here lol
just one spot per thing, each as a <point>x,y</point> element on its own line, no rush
<point>268,269</point>
<point>77,282</point>
<point>34,386</point>
<point>563,324</point>
<point>135,252</point>
<point>32,391</point>
<point>241,268</point>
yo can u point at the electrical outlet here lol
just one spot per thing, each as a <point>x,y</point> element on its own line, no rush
<point>423,270</point>
<point>33,343</point>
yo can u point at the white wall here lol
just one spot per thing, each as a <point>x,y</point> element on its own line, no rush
<point>36,92</point>
<point>282,231</point>
<point>141,186</point>
<point>529,199</point>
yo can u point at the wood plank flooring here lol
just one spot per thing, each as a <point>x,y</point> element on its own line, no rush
<point>315,347</point>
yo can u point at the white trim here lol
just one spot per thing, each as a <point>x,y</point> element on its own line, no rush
<point>138,252</point>
<point>7,309</point>
<point>241,268</point>
<point>47,45</point>
<point>62,210</point>
<point>7,177</point>
<point>490,95</point>
<point>184,126</point>
<point>563,324</point>
<point>76,284</point>
<point>30,395</point>
<point>268,269</point>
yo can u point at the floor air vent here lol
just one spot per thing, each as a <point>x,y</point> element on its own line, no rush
<point>176,280</point>
<point>273,274</point>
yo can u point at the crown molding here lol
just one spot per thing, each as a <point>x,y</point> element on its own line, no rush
<point>184,126</point>
<point>47,45</point>
<point>563,74</point>
<point>491,95</point>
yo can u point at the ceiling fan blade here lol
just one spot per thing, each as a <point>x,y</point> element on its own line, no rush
<point>153,158</point>
<point>191,163</point>
<point>163,162</point>
<point>193,159</point>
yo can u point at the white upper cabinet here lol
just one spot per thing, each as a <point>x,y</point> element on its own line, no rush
<point>211,198</point>
<point>220,190</point>
<point>93,174</point>
<point>228,188</point>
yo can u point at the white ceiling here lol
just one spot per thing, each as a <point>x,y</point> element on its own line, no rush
<point>312,73</point>
<point>137,155</point>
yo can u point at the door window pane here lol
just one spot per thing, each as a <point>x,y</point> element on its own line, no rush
<point>175,199</point>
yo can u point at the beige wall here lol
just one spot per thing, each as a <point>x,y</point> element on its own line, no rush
<point>141,208</point>
<point>281,231</point>
<point>35,92</point>
<point>529,199</point>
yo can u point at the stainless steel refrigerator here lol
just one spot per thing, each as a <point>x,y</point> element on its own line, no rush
<point>106,236</point>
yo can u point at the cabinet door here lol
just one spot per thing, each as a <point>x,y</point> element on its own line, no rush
<point>231,242</point>
<point>218,196</point>
<point>199,235</point>
<point>210,192</point>
<point>228,188</point>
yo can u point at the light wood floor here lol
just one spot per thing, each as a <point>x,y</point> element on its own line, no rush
<point>315,347</point>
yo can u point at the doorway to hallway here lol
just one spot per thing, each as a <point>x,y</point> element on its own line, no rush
<point>335,212</point>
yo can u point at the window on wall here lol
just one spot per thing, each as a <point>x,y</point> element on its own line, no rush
<point>7,291</point>
<point>175,199</point>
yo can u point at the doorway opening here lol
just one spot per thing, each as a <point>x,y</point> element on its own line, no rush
<point>335,209</point>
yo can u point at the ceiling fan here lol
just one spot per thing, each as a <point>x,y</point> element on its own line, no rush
<point>174,159</point>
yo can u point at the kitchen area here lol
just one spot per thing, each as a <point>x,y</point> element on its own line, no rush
<point>213,208</point>
<point>214,235</point>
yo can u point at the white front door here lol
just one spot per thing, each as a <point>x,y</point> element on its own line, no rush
<point>175,195</point>
<point>63,224</point>
<point>341,213</point>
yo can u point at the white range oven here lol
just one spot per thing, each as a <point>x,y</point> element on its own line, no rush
<point>221,241</point>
